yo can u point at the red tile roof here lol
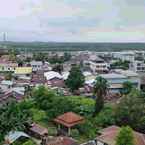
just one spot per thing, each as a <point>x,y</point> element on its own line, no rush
<point>69,119</point>
<point>108,135</point>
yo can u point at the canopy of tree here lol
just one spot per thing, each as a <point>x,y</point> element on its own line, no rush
<point>13,116</point>
<point>75,79</point>
<point>100,91</point>
<point>125,136</point>
<point>131,111</point>
<point>120,65</point>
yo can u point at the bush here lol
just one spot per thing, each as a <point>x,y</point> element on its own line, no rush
<point>88,129</point>
<point>75,133</point>
<point>105,118</point>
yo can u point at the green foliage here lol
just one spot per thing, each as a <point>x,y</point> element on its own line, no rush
<point>8,76</point>
<point>58,68</point>
<point>100,91</point>
<point>75,79</point>
<point>127,87</point>
<point>40,56</point>
<point>29,142</point>
<point>125,136</point>
<point>83,106</point>
<point>75,133</point>
<point>88,128</point>
<point>13,117</point>
<point>120,65</point>
<point>67,56</point>
<point>12,54</point>
<point>38,115</point>
<point>131,111</point>
<point>53,104</point>
<point>43,97</point>
<point>105,117</point>
<point>24,142</point>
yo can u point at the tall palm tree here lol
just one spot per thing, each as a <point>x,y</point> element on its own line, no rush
<point>100,91</point>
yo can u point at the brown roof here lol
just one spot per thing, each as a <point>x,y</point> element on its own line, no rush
<point>36,128</point>
<point>108,135</point>
<point>69,119</point>
<point>61,141</point>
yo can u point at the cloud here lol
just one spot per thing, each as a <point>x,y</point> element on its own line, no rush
<point>73,20</point>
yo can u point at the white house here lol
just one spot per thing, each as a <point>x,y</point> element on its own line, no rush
<point>36,65</point>
<point>99,66</point>
<point>137,66</point>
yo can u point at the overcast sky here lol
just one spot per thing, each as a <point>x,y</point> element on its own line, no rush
<point>73,20</point>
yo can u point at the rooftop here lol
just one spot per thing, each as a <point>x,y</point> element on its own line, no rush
<point>69,119</point>
<point>108,135</point>
<point>113,76</point>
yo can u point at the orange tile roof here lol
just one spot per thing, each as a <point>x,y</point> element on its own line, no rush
<point>108,135</point>
<point>69,119</point>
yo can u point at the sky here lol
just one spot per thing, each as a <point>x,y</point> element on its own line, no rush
<point>73,20</point>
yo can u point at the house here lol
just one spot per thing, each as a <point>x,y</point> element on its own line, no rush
<point>36,65</point>
<point>108,136</point>
<point>23,71</point>
<point>6,85</point>
<point>99,66</point>
<point>7,66</point>
<point>38,79</point>
<point>115,81</point>
<point>137,66</point>
<point>68,120</point>
<point>54,79</point>
<point>14,136</point>
<point>38,131</point>
<point>132,76</point>
<point>125,56</point>
<point>59,141</point>
<point>8,96</point>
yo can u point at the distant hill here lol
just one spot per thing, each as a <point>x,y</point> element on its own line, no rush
<point>53,46</point>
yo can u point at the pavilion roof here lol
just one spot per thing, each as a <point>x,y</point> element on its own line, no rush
<point>69,119</point>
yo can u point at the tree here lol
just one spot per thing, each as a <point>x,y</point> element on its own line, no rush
<point>67,56</point>
<point>8,76</point>
<point>131,111</point>
<point>58,68</point>
<point>127,87</point>
<point>13,117</point>
<point>43,97</point>
<point>120,65</point>
<point>50,102</point>
<point>75,79</point>
<point>100,91</point>
<point>125,136</point>
<point>40,56</point>
<point>12,54</point>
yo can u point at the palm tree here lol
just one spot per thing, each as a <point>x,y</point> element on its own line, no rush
<point>100,91</point>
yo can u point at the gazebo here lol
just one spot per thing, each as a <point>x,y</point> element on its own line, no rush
<point>69,120</point>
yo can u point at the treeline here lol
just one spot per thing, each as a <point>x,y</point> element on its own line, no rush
<point>54,46</point>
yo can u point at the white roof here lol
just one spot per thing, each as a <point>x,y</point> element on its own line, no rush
<point>52,74</point>
<point>89,82</point>
<point>7,82</point>
<point>127,73</point>
<point>86,73</point>
<point>65,75</point>
<point>36,62</point>
<point>113,76</point>
<point>14,135</point>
